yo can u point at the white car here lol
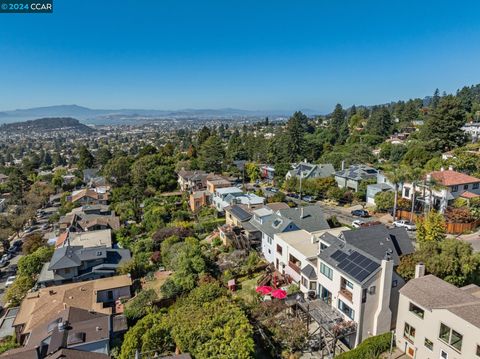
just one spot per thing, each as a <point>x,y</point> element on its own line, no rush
<point>10,281</point>
<point>405,224</point>
<point>357,223</point>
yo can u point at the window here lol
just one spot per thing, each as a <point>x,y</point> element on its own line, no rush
<point>313,286</point>
<point>394,283</point>
<point>304,282</point>
<point>454,188</point>
<point>345,309</point>
<point>269,240</point>
<point>465,186</point>
<point>323,246</point>
<point>348,284</point>
<point>326,271</point>
<point>443,355</point>
<point>476,185</point>
<point>451,337</point>
<point>428,344</point>
<point>279,249</point>
<point>409,332</point>
<point>407,192</point>
<point>364,295</point>
<point>419,312</point>
<point>478,350</point>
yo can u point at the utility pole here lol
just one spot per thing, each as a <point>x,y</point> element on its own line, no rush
<point>301,175</point>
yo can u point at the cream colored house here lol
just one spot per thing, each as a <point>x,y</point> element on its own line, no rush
<point>437,320</point>
<point>352,271</point>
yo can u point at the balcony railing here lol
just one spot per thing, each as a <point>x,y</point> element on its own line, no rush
<point>294,266</point>
<point>347,294</point>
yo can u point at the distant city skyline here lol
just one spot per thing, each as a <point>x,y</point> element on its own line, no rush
<point>266,56</point>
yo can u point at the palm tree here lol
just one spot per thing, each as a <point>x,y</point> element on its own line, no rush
<point>397,176</point>
<point>415,177</point>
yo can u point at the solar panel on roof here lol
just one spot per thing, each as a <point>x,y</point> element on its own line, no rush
<point>355,264</point>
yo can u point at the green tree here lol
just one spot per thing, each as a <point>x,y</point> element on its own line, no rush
<point>252,171</point>
<point>295,132</point>
<point>212,154</point>
<point>138,307</point>
<point>443,128</point>
<point>117,170</point>
<point>432,228</point>
<point>85,158</point>
<point>380,122</point>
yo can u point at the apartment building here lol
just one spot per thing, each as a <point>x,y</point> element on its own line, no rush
<point>437,319</point>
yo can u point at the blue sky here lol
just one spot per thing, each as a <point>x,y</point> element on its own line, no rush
<point>251,54</point>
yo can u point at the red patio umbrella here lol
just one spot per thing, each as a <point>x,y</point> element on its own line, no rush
<point>279,294</point>
<point>264,290</point>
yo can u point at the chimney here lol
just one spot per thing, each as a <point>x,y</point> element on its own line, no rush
<point>38,352</point>
<point>419,270</point>
<point>383,315</point>
<point>343,165</point>
<point>301,213</point>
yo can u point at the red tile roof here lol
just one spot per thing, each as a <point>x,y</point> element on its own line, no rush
<point>468,194</point>
<point>452,178</point>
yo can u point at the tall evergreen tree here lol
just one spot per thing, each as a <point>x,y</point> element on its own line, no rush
<point>380,122</point>
<point>212,154</point>
<point>443,128</point>
<point>296,131</point>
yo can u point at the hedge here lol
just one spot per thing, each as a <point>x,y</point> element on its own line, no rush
<point>370,348</point>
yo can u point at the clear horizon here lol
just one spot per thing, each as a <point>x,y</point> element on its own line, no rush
<point>274,56</point>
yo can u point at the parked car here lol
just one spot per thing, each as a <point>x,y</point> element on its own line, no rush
<point>357,223</point>
<point>309,199</point>
<point>360,213</point>
<point>405,224</point>
<point>10,281</point>
<point>274,189</point>
<point>3,263</point>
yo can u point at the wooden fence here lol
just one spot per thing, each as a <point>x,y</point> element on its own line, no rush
<point>452,228</point>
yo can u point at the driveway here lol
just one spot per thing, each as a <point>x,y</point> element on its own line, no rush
<point>473,239</point>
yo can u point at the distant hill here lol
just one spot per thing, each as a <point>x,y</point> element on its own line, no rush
<point>47,124</point>
<point>105,116</point>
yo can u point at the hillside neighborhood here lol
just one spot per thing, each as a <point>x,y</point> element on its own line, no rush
<point>112,244</point>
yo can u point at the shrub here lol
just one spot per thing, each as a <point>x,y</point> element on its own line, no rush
<point>138,306</point>
<point>370,348</point>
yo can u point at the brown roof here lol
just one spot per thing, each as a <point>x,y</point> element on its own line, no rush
<point>431,293</point>
<point>48,302</point>
<point>76,354</point>
<point>276,206</point>
<point>93,325</point>
<point>452,178</point>
<point>87,192</point>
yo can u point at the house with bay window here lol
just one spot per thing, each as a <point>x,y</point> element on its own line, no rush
<point>437,319</point>
<point>352,271</point>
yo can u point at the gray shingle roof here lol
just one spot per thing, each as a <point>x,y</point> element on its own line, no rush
<point>309,272</point>
<point>65,257</point>
<point>309,218</point>
<point>358,172</point>
<point>431,292</point>
<point>376,240</point>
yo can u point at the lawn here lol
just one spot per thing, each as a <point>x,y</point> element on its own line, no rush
<point>156,282</point>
